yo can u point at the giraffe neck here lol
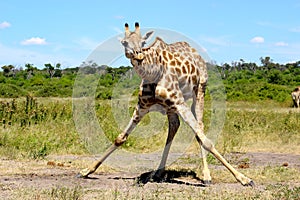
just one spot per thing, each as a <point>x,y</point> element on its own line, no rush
<point>150,68</point>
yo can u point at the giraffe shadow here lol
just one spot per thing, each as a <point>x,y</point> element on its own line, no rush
<point>171,176</point>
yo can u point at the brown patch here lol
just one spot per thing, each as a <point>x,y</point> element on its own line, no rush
<point>162,93</point>
<point>159,59</point>
<point>172,63</point>
<point>60,164</point>
<point>187,63</point>
<point>178,63</point>
<point>165,55</point>
<point>192,68</point>
<point>184,70</point>
<point>194,50</point>
<point>170,56</point>
<point>173,95</point>
<point>243,165</point>
<point>51,163</point>
<point>178,70</point>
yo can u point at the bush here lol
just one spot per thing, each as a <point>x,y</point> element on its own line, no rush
<point>11,91</point>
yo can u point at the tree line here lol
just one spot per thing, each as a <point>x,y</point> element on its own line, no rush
<point>245,81</point>
<point>53,80</point>
<point>267,81</point>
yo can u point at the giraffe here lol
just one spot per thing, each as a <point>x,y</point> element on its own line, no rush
<point>296,97</point>
<point>171,74</point>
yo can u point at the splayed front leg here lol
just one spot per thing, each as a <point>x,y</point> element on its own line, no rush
<point>135,119</point>
<point>205,171</point>
<point>87,171</point>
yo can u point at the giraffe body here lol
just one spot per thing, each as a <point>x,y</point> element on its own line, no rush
<point>171,74</point>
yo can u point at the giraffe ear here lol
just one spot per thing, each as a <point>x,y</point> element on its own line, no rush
<point>127,32</point>
<point>148,35</point>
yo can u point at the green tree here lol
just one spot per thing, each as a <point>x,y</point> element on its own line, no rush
<point>7,69</point>
<point>30,69</point>
<point>53,70</point>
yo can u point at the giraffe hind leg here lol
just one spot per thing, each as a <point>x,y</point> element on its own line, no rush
<point>174,124</point>
<point>158,175</point>
<point>189,118</point>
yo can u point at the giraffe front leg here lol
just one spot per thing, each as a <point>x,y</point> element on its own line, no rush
<point>205,170</point>
<point>189,118</point>
<point>135,119</point>
<point>87,171</point>
<point>198,109</point>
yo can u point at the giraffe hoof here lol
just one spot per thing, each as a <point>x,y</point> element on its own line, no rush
<point>207,182</point>
<point>83,173</point>
<point>79,176</point>
<point>251,184</point>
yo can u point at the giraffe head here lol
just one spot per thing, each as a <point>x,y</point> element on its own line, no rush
<point>133,42</point>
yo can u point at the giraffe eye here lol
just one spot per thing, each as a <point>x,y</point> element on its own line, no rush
<point>124,42</point>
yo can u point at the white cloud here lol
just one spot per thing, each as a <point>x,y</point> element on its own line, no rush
<point>4,25</point>
<point>34,41</point>
<point>257,39</point>
<point>281,44</point>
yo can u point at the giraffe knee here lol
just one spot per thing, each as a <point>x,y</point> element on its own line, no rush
<point>120,140</point>
<point>207,145</point>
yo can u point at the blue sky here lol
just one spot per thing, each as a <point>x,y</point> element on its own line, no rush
<point>67,31</point>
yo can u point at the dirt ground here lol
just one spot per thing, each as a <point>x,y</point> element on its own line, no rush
<point>60,171</point>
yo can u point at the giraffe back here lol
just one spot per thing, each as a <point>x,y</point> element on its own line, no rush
<point>184,68</point>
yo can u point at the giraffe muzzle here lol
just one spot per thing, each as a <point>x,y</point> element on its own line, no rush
<point>140,56</point>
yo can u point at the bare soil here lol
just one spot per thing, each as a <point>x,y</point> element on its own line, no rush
<point>61,171</point>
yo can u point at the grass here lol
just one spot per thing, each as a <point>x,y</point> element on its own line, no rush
<point>35,131</point>
<point>265,127</point>
<point>49,129</point>
<point>35,128</point>
<point>54,193</point>
<point>162,191</point>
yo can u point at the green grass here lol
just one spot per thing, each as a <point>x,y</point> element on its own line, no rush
<point>260,127</point>
<point>35,128</point>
